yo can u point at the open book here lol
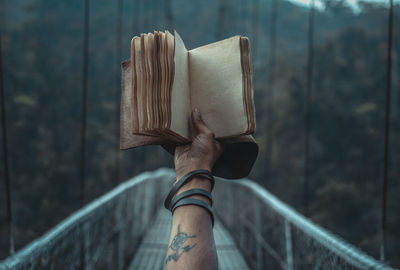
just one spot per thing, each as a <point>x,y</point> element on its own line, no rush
<point>163,82</point>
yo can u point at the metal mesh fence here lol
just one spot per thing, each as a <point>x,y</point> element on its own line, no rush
<point>105,233</point>
<point>102,235</point>
<point>274,236</point>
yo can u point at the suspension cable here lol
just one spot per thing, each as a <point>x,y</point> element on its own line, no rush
<point>7,180</point>
<point>254,34</point>
<point>170,21</point>
<point>386,133</point>
<point>135,17</point>
<point>310,70</point>
<point>242,15</point>
<point>84,100</point>
<point>270,90</point>
<point>221,18</point>
<point>118,86</point>
<point>135,28</point>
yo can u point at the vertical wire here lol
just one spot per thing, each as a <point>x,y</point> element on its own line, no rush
<point>86,14</point>
<point>118,87</point>
<point>270,90</point>
<point>159,15</point>
<point>310,70</point>
<point>135,22</point>
<point>7,180</point>
<point>386,134</point>
<point>170,19</point>
<point>254,34</point>
<point>154,15</point>
<point>243,27</point>
<point>220,21</point>
<point>145,16</point>
<point>84,100</point>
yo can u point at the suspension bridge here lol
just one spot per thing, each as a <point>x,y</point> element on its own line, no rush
<point>127,228</point>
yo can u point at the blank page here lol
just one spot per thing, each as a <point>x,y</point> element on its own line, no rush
<point>216,86</point>
<point>180,98</point>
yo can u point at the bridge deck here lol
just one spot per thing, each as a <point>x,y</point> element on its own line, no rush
<point>151,252</point>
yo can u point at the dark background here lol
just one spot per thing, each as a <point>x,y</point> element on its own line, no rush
<point>42,49</point>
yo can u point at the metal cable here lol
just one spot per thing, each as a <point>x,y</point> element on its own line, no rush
<point>221,17</point>
<point>310,69</point>
<point>242,23</point>
<point>83,119</point>
<point>270,89</point>
<point>386,133</point>
<point>118,86</point>
<point>84,101</point>
<point>135,21</point>
<point>159,14</point>
<point>135,17</point>
<point>170,20</point>
<point>254,34</point>
<point>7,181</point>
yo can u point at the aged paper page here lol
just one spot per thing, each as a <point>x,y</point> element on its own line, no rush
<point>216,86</point>
<point>180,100</point>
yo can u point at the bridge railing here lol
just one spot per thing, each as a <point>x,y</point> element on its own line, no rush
<point>102,235</point>
<point>105,233</point>
<point>272,235</point>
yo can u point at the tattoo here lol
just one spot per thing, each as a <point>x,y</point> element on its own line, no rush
<point>177,245</point>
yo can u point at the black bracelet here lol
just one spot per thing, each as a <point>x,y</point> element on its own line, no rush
<point>188,193</point>
<point>190,201</point>
<point>187,177</point>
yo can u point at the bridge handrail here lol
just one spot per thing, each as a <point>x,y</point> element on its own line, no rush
<point>38,254</point>
<point>333,242</point>
<point>240,203</point>
<point>270,233</point>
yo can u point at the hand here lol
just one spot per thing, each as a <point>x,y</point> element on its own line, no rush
<point>202,153</point>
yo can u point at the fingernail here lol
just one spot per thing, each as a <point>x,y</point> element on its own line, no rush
<point>196,113</point>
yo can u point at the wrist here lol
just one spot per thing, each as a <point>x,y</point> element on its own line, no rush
<point>180,172</point>
<point>196,182</point>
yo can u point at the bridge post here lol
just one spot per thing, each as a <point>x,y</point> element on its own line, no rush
<point>145,207</point>
<point>289,247</point>
<point>136,209</point>
<point>257,228</point>
<point>85,247</point>
<point>227,191</point>
<point>242,216</point>
<point>120,245</point>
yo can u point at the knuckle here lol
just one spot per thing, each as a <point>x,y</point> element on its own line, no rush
<point>218,149</point>
<point>218,146</point>
<point>209,133</point>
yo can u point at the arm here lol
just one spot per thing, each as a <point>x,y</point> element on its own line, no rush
<point>191,245</point>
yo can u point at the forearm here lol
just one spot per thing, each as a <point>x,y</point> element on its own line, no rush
<point>191,244</point>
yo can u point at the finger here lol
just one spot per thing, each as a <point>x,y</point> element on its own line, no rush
<point>217,151</point>
<point>199,124</point>
<point>219,147</point>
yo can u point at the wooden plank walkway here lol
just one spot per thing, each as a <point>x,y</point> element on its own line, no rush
<point>151,252</point>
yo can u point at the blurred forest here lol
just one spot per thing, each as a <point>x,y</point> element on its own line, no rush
<point>42,51</point>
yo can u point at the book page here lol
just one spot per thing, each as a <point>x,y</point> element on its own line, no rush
<point>180,96</point>
<point>127,138</point>
<point>216,87</point>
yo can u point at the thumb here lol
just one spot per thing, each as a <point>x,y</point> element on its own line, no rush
<point>198,123</point>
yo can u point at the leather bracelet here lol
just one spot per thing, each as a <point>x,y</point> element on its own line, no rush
<point>190,192</point>
<point>190,201</point>
<point>186,178</point>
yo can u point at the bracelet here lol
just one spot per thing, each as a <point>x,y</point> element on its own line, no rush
<point>186,178</point>
<point>197,202</point>
<point>188,193</point>
<point>172,202</point>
